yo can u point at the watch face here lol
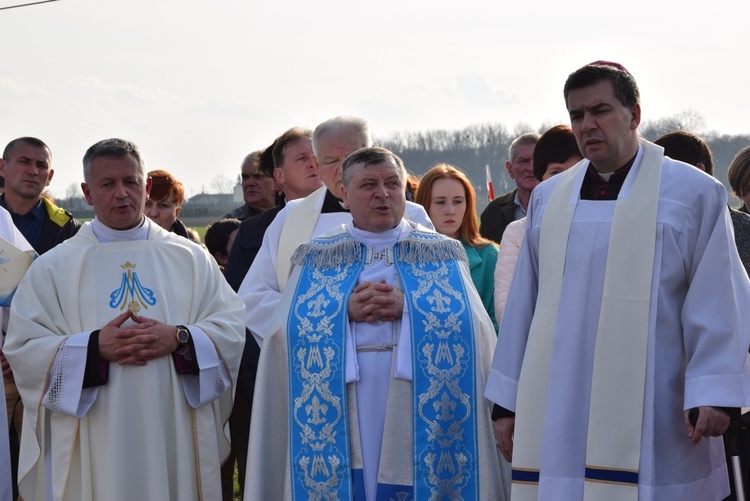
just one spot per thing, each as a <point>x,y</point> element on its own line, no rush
<point>182,335</point>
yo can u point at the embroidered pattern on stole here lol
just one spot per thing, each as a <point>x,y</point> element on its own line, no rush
<point>443,368</point>
<point>131,293</point>
<point>316,334</point>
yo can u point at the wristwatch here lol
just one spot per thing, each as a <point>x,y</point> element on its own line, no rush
<point>183,335</point>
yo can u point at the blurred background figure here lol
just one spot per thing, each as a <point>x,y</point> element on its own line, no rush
<point>219,239</point>
<point>449,199</point>
<point>258,190</point>
<point>511,206</point>
<point>739,177</point>
<point>164,203</point>
<point>412,183</point>
<point>555,152</point>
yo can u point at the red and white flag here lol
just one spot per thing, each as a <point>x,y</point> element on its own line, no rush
<point>490,189</point>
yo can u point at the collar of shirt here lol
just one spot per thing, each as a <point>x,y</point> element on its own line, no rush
<point>332,204</point>
<point>30,224</point>
<point>39,212</point>
<point>520,211</point>
<point>594,187</point>
<point>105,234</point>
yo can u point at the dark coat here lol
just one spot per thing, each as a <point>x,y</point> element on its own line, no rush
<point>497,215</point>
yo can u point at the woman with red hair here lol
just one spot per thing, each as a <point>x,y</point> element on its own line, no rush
<point>164,203</point>
<point>449,199</point>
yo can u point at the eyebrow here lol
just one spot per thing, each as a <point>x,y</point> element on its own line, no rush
<point>30,159</point>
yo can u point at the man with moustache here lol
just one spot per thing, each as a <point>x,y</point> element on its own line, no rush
<point>510,207</point>
<point>627,309</point>
<point>332,141</point>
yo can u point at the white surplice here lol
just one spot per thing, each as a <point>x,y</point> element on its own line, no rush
<point>149,432</point>
<point>10,233</point>
<point>697,346</point>
<point>260,288</point>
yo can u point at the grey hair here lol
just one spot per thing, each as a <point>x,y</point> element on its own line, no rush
<point>368,156</point>
<point>523,139</point>
<point>112,148</point>
<point>356,128</point>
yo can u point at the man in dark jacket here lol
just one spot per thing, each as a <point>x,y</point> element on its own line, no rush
<point>507,208</point>
<point>26,167</point>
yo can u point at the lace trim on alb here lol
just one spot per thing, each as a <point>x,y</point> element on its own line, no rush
<point>54,396</point>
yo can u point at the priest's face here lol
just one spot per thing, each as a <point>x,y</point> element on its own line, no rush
<point>605,129</point>
<point>376,196</point>
<point>117,189</point>
<point>333,148</point>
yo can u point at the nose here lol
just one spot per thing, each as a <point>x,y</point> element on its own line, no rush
<point>381,192</point>
<point>120,191</point>
<point>588,123</point>
<point>450,209</point>
<point>151,210</point>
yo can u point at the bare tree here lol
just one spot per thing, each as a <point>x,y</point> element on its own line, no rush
<point>73,191</point>
<point>222,184</point>
<point>688,120</point>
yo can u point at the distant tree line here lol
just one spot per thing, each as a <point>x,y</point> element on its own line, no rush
<point>475,146</point>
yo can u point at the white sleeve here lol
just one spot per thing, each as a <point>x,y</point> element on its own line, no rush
<point>212,379</point>
<point>65,392</point>
<point>417,214</point>
<point>260,288</point>
<point>502,382</point>
<point>510,246</point>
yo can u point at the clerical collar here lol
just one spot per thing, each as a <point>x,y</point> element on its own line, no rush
<point>332,204</point>
<point>105,234</point>
<point>596,187</point>
<point>383,237</point>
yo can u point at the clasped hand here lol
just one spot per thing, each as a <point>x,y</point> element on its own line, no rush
<point>136,344</point>
<point>372,301</point>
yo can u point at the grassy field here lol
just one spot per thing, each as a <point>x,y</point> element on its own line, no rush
<point>201,231</point>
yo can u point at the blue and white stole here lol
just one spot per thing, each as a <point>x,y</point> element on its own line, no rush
<point>444,393</point>
<point>316,334</point>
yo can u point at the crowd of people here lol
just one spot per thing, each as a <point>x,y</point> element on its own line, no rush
<point>354,332</point>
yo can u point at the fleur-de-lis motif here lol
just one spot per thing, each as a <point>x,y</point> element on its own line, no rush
<point>316,306</point>
<point>440,302</point>
<point>316,410</point>
<point>445,406</point>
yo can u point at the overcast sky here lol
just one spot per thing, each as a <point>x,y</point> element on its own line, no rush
<point>198,84</point>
